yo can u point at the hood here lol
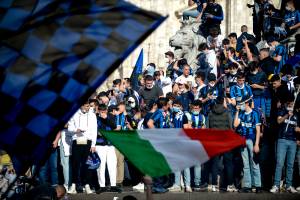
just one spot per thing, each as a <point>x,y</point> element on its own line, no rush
<point>218,109</point>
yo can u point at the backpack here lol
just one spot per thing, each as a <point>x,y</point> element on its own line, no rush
<point>93,161</point>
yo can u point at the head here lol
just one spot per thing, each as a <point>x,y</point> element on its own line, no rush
<point>226,43</point>
<point>127,83</point>
<point>244,29</point>
<point>176,106</point>
<point>196,107</point>
<point>290,103</point>
<point>169,57</point>
<point>186,70</point>
<point>200,78</point>
<point>272,42</point>
<point>276,81</point>
<point>103,98</point>
<point>264,53</point>
<point>103,109</point>
<point>240,79</point>
<point>121,107</point>
<point>232,38</point>
<point>231,52</point>
<point>290,5</point>
<point>211,78</point>
<point>214,32</point>
<point>162,103</point>
<point>211,1</point>
<point>203,47</point>
<point>253,66</point>
<point>149,82</point>
<point>220,100</point>
<point>117,85</point>
<point>248,105</point>
<point>157,75</point>
<point>233,68</point>
<point>93,105</point>
<point>85,107</point>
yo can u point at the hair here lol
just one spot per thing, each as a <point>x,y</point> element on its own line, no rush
<point>157,73</point>
<point>170,96</point>
<point>102,94</point>
<point>232,35</point>
<point>177,102</point>
<point>232,50</point>
<point>200,75</point>
<point>128,80</point>
<point>152,64</point>
<point>197,103</point>
<point>149,78</point>
<point>102,107</point>
<point>162,102</point>
<point>122,103</point>
<point>203,46</point>
<point>233,66</point>
<point>240,75</point>
<point>220,100</point>
<point>117,81</point>
<point>226,41</point>
<point>253,65</point>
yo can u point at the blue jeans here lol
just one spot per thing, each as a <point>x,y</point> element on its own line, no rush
<point>298,159</point>
<point>251,169</point>
<point>190,13</point>
<point>64,160</point>
<point>186,176</point>
<point>285,148</point>
<point>49,168</point>
<point>197,175</point>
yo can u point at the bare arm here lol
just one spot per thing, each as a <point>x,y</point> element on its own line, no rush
<point>150,123</point>
<point>281,119</point>
<point>236,121</point>
<point>191,2</point>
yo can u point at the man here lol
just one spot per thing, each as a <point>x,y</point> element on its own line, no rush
<point>248,125</point>
<point>240,92</point>
<point>186,76</point>
<point>267,64</point>
<point>212,17</point>
<point>220,118</point>
<point>291,18</point>
<point>279,55</point>
<point>149,91</point>
<point>207,60</point>
<point>233,40</point>
<point>165,83</point>
<point>209,93</point>
<point>178,120</point>
<point>196,121</point>
<point>106,152</point>
<point>159,120</point>
<point>170,60</point>
<point>84,127</point>
<point>244,35</point>
<point>286,145</point>
<point>185,96</point>
<point>198,13</point>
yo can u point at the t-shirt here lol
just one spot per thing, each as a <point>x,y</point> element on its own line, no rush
<point>240,94</point>
<point>197,121</point>
<point>258,78</point>
<point>158,118</point>
<point>150,94</point>
<point>248,123</point>
<point>146,119</point>
<point>178,120</point>
<point>280,50</point>
<point>292,18</point>
<point>287,128</point>
<point>214,91</point>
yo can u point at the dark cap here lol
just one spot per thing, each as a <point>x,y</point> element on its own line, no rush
<point>170,53</point>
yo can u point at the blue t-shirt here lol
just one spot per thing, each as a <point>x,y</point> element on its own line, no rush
<point>280,50</point>
<point>259,78</point>
<point>215,92</point>
<point>160,120</point>
<point>120,121</point>
<point>292,18</point>
<point>200,4</point>
<point>248,123</point>
<point>287,128</point>
<point>240,94</point>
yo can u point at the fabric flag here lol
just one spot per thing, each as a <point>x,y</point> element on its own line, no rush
<point>137,71</point>
<point>158,152</point>
<point>53,56</point>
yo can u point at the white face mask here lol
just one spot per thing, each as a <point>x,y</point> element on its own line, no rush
<point>254,72</point>
<point>288,8</point>
<point>289,108</point>
<point>212,84</point>
<point>243,107</point>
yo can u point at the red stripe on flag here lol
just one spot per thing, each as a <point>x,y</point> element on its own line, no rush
<point>215,141</point>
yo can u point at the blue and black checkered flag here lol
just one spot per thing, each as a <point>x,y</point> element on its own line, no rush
<point>53,56</point>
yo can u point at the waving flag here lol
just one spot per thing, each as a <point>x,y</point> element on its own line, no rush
<point>53,56</point>
<point>158,152</point>
<point>137,71</point>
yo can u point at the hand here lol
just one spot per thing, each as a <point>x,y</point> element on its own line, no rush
<point>55,144</point>
<point>254,86</point>
<point>93,149</point>
<point>297,129</point>
<point>147,180</point>
<point>245,42</point>
<point>210,16</point>
<point>278,104</point>
<point>238,107</point>
<point>256,149</point>
<point>298,142</point>
<point>290,113</point>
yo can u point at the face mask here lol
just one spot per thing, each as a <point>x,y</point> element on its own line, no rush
<point>195,112</point>
<point>288,8</point>
<point>132,105</point>
<point>211,85</point>
<point>92,110</point>
<point>149,87</point>
<point>176,109</point>
<point>254,72</point>
<point>289,108</point>
<point>233,72</point>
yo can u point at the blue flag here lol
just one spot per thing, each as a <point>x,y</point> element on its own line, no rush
<point>53,56</point>
<point>137,71</point>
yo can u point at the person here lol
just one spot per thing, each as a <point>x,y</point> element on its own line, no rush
<point>106,152</point>
<point>178,120</point>
<point>233,40</point>
<point>83,125</point>
<point>198,13</point>
<point>212,17</point>
<point>215,39</point>
<point>248,125</point>
<point>196,120</point>
<point>149,91</point>
<point>279,54</point>
<point>286,145</point>
<point>244,35</point>
<point>186,75</point>
<point>164,82</point>
<point>207,60</point>
<point>50,166</point>
<point>184,95</point>
<point>220,118</point>
<point>266,63</point>
<point>45,191</point>
<point>241,91</point>
<point>291,17</point>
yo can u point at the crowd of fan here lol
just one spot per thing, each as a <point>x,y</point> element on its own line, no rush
<point>236,86</point>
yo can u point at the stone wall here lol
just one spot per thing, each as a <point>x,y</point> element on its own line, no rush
<point>235,15</point>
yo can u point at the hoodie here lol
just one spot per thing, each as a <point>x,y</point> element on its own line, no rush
<point>219,118</point>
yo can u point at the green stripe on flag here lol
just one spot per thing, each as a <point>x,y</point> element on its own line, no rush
<point>139,152</point>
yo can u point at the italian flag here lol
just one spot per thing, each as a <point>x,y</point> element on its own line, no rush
<point>158,152</point>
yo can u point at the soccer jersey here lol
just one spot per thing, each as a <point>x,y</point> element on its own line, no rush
<point>280,50</point>
<point>248,123</point>
<point>213,91</point>
<point>287,128</point>
<point>240,94</point>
